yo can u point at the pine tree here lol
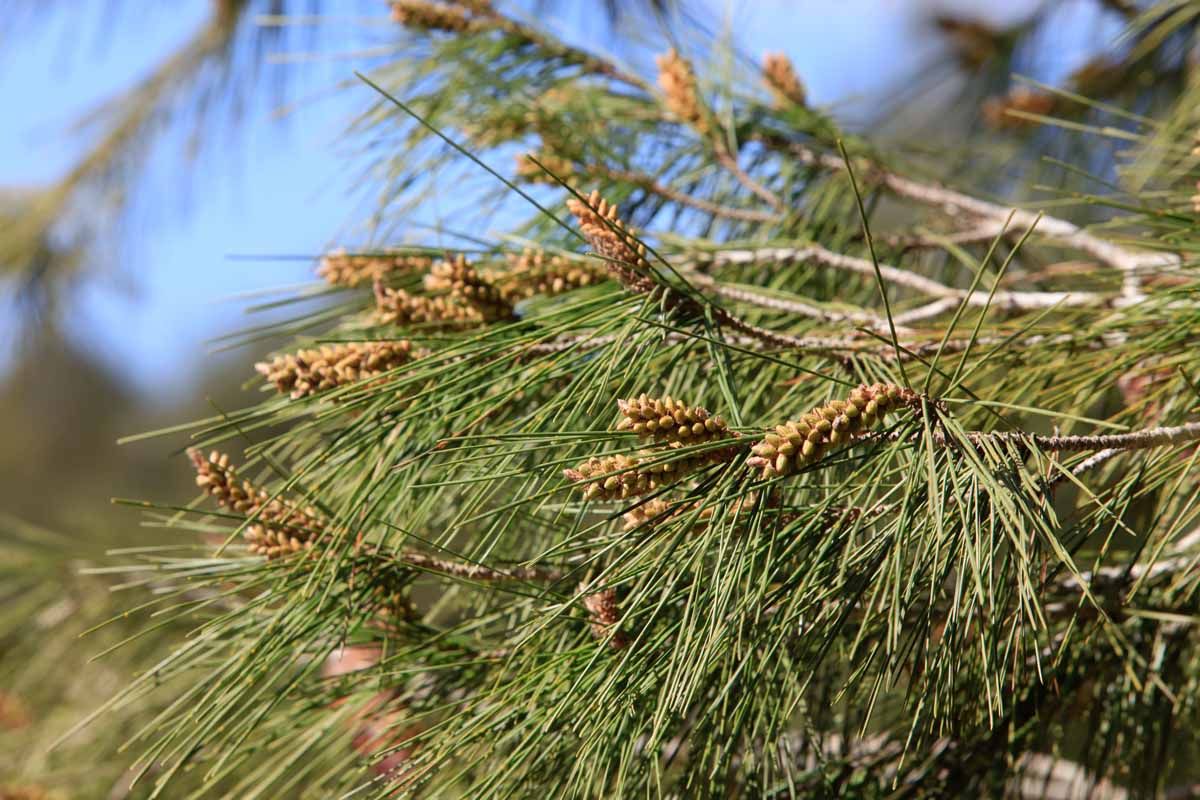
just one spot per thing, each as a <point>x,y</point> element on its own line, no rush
<point>757,458</point>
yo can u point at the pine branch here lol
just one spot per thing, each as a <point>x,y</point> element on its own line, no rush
<point>1135,264</point>
<point>276,528</point>
<point>784,305</point>
<point>767,341</point>
<point>744,588</point>
<point>1002,298</point>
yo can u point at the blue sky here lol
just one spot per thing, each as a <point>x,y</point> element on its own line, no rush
<point>279,190</point>
<point>283,188</point>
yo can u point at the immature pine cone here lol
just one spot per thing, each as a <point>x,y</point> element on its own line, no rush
<point>796,444</point>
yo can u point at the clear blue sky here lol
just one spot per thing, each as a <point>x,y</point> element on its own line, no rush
<point>284,190</point>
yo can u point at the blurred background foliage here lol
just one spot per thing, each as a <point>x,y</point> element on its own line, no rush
<point>991,74</point>
<point>59,468</point>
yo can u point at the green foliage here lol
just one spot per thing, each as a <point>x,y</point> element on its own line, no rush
<point>48,680</point>
<point>1003,567</point>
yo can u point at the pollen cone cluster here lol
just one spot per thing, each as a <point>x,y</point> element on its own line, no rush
<point>669,420</point>
<point>609,237</point>
<point>398,307</point>
<point>318,369</point>
<point>535,273</point>
<point>651,512</point>
<point>426,15</point>
<point>662,512</point>
<point>604,615</point>
<point>621,477</point>
<point>673,424</point>
<point>613,478</point>
<point>536,171</point>
<point>467,286</point>
<point>343,269</point>
<point>796,444</point>
<point>781,78</point>
<point>678,82</point>
<point>277,529</point>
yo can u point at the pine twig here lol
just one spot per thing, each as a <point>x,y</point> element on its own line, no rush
<point>472,571</point>
<point>785,305</point>
<point>1117,442</point>
<point>729,161</point>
